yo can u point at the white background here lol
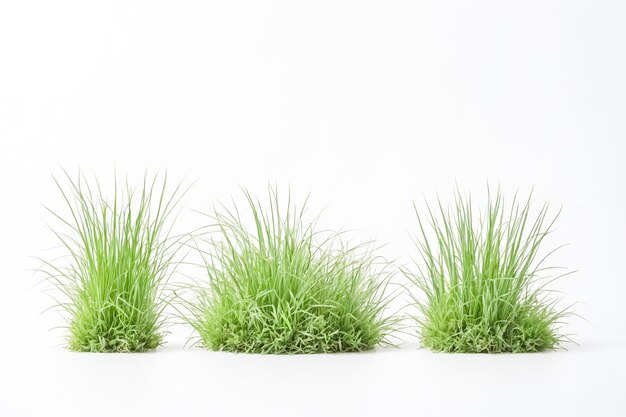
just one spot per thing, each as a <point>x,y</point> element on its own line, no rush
<point>366,104</point>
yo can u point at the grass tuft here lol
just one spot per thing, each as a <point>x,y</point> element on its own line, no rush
<point>281,287</point>
<point>119,259</point>
<point>483,280</point>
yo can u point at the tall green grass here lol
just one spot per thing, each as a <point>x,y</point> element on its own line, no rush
<point>119,257</point>
<point>280,286</point>
<point>483,279</point>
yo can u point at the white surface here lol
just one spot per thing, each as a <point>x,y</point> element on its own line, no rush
<point>398,382</point>
<point>367,105</point>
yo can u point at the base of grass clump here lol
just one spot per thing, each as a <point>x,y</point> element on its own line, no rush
<point>106,340</point>
<point>525,333</point>
<point>483,281</point>
<point>276,290</point>
<point>242,330</point>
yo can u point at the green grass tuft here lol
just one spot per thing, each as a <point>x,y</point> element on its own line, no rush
<point>483,279</point>
<point>282,287</point>
<point>119,259</point>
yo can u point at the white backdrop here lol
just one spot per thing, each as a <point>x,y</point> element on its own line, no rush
<point>368,105</point>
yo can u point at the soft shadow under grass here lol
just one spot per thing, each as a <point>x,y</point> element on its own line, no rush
<point>119,258</point>
<point>281,287</point>
<point>483,281</point>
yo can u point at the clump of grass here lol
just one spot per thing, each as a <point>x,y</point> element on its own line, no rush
<point>119,259</point>
<point>283,287</point>
<point>483,280</point>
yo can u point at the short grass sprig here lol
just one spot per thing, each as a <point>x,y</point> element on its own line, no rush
<point>282,287</point>
<point>483,280</point>
<point>120,256</point>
